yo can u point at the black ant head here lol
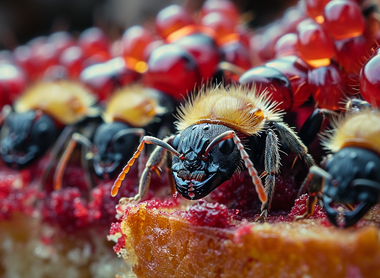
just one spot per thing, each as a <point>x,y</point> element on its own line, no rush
<point>115,146</point>
<point>355,180</point>
<point>206,160</point>
<point>26,137</point>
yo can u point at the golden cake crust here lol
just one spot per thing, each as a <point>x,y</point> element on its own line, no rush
<point>162,244</point>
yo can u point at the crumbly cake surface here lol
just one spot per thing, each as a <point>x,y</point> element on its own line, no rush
<point>161,243</point>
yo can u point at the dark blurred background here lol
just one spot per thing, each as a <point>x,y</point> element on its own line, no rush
<point>23,20</point>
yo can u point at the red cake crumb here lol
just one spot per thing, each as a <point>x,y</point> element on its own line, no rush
<point>209,214</point>
<point>240,194</point>
<point>299,208</point>
<point>15,195</point>
<point>116,231</point>
<point>67,209</point>
<point>167,203</point>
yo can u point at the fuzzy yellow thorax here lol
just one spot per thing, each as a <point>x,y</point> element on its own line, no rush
<point>67,102</point>
<point>133,106</point>
<point>237,107</point>
<point>357,129</point>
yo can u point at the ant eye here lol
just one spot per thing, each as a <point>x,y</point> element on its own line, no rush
<point>176,141</point>
<point>227,146</point>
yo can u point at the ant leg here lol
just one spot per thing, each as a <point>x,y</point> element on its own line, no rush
<point>58,175</point>
<point>244,156</point>
<point>314,182</point>
<point>56,149</point>
<point>155,161</point>
<point>313,124</point>
<point>288,136</point>
<point>169,175</point>
<point>272,167</point>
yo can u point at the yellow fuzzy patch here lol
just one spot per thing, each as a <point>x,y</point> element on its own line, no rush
<point>67,102</point>
<point>242,109</point>
<point>133,106</point>
<point>356,129</point>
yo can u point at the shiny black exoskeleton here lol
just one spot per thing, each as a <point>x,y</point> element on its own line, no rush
<point>113,143</point>
<point>116,142</point>
<point>27,137</point>
<point>355,179</point>
<point>115,146</point>
<point>195,176</point>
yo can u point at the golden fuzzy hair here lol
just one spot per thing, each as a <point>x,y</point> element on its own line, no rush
<point>67,102</point>
<point>356,129</point>
<point>242,109</point>
<point>133,106</point>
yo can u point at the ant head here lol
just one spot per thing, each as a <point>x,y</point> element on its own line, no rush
<point>207,159</point>
<point>26,137</point>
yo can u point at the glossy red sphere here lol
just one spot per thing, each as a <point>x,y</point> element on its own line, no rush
<point>328,87</point>
<point>227,8</point>
<point>315,8</point>
<point>297,76</point>
<point>22,56</point>
<point>12,82</point>
<point>134,41</point>
<point>343,19</point>
<point>286,45</point>
<point>351,53</point>
<point>315,43</point>
<point>172,70</point>
<point>104,78</point>
<point>172,19</point>
<point>370,81</point>
<point>73,60</point>
<point>236,53</point>
<point>222,27</point>
<point>262,44</point>
<point>205,52</point>
<point>94,41</point>
<point>272,81</point>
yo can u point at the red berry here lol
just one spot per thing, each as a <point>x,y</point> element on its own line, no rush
<point>172,70</point>
<point>351,53</point>
<point>235,53</point>
<point>224,7</point>
<point>315,8</point>
<point>222,27</point>
<point>93,41</point>
<point>262,44</point>
<point>209,214</point>
<point>315,43</point>
<point>151,47</point>
<point>291,18</point>
<point>205,52</point>
<point>22,56</point>
<point>343,19</point>
<point>275,83</point>
<point>297,76</point>
<point>172,19</point>
<point>104,78</point>
<point>328,87</point>
<point>12,82</point>
<point>286,45</point>
<point>73,59</point>
<point>134,41</point>
<point>370,81</point>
